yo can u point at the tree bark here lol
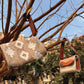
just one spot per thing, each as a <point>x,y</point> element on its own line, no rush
<point>8,16</point>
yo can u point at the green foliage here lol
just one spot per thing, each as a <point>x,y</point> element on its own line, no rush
<point>51,66</point>
<point>76,77</point>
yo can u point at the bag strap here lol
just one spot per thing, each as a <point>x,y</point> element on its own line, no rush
<point>32,26</point>
<point>62,49</point>
<point>71,46</point>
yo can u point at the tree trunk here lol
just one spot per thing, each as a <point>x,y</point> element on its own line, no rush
<point>73,79</point>
<point>65,80</point>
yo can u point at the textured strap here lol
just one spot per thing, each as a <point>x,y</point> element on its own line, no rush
<point>62,50</point>
<point>32,26</point>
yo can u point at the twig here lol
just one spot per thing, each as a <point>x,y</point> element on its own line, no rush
<point>56,43</point>
<point>37,7</point>
<point>16,10</point>
<point>63,26</point>
<point>48,17</point>
<point>68,21</point>
<point>18,28</point>
<point>51,29</point>
<point>18,3</point>
<point>44,14</point>
<point>21,9</point>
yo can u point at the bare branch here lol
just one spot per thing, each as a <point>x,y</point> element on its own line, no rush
<point>52,35</point>
<point>13,12</point>
<point>37,7</point>
<point>48,17</point>
<point>56,43</point>
<point>51,29</point>
<point>18,28</point>
<point>2,15</point>
<point>26,3</point>
<point>21,9</point>
<point>44,14</point>
<point>51,9</point>
<point>67,22</point>
<point>29,5</point>
<point>14,33</point>
<point>8,16</point>
<point>80,14</point>
<point>16,10</point>
<point>50,3</point>
<point>18,3</point>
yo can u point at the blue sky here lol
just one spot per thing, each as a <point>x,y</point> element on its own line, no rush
<point>75,27</point>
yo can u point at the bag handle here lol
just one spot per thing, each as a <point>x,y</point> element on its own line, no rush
<point>62,48</point>
<point>32,26</point>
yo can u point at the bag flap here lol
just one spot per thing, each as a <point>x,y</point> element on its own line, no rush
<point>66,62</point>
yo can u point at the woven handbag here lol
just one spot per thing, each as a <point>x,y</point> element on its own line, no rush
<point>71,64</point>
<point>20,52</point>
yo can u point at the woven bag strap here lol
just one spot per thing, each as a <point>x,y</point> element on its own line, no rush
<point>62,49</point>
<point>32,26</point>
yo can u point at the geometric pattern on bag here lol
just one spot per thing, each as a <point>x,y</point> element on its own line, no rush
<point>20,52</point>
<point>70,64</point>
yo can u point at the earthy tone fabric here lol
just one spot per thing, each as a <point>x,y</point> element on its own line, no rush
<point>19,52</point>
<point>70,64</point>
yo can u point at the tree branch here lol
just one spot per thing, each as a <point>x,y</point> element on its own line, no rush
<point>37,7</point>
<point>64,25</point>
<point>51,9</point>
<point>26,3</point>
<point>68,21</point>
<point>48,17</point>
<point>79,14</point>
<point>18,28</point>
<point>44,14</point>
<point>21,9</point>
<point>51,29</point>
<point>18,3</point>
<point>16,10</point>
<point>56,43</point>
<point>8,16</point>
<point>2,15</point>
